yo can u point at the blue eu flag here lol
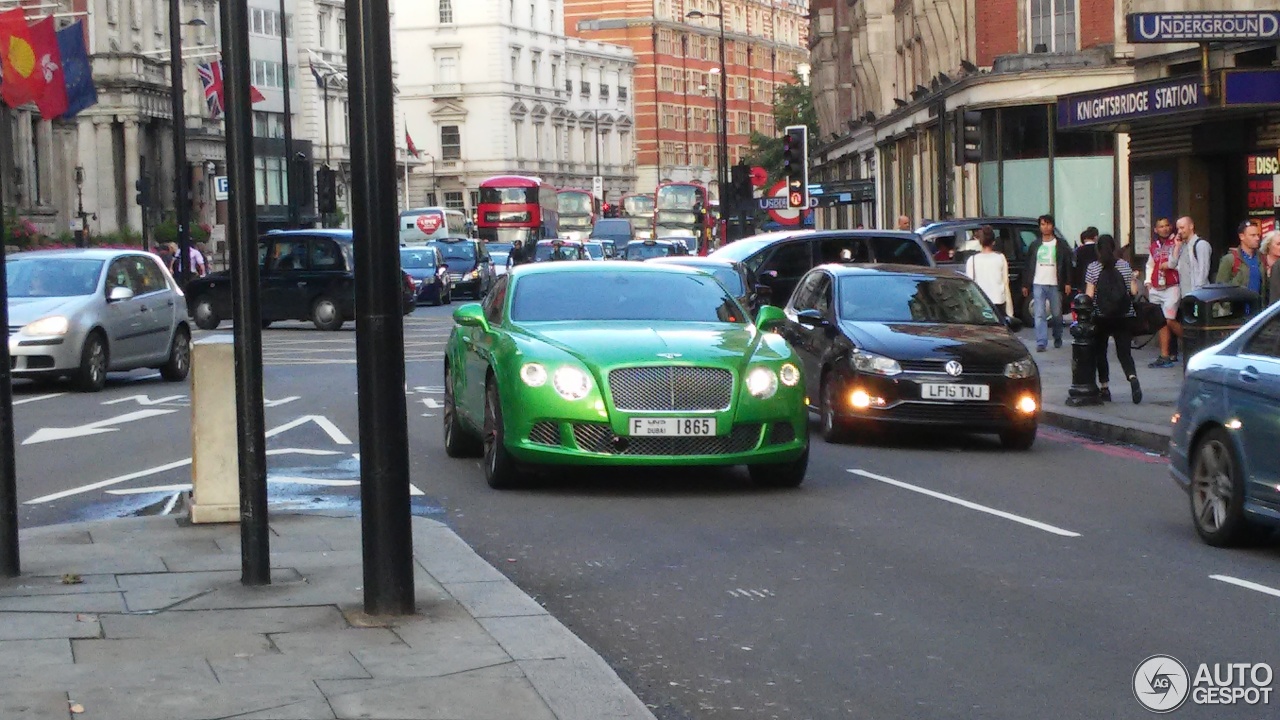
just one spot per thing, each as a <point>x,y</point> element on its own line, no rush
<point>76,69</point>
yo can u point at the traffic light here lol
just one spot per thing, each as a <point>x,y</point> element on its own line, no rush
<point>143,186</point>
<point>326,191</point>
<point>968,137</point>
<point>795,165</point>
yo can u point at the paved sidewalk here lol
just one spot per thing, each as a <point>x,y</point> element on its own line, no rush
<point>1146,425</point>
<point>146,619</point>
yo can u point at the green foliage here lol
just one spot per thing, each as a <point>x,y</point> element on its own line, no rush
<point>167,232</point>
<point>793,105</point>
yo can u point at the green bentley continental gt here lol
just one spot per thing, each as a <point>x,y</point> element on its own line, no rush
<point>622,364</point>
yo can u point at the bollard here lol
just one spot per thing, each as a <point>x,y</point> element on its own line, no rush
<point>1084,365</point>
<point>215,472</point>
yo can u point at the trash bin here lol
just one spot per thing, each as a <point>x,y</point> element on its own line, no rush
<point>1211,314</point>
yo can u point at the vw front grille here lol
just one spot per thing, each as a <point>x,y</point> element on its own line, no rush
<point>671,389</point>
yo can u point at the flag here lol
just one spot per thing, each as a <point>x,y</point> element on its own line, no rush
<point>23,81</point>
<point>44,41</point>
<point>413,149</point>
<point>316,74</point>
<point>211,79</point>
<point>76,70</point>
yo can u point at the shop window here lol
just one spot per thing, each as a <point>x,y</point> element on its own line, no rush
<point>1260,58</point>
<point>1083,144</point>
<point>1025,132</point>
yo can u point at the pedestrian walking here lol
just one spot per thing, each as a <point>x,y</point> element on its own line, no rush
<point>1086,252</point>
<point>1191,256</point>
<point>1242,266</point>
<point>990,270</point>
<point>1112,285</point>
<point>1164,289</point>
<point>1046,279</point>
<point>1270,252</point>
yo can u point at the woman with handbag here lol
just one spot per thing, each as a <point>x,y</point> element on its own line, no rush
<point>1111,283</point>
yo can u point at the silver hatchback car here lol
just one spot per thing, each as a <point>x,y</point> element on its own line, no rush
<point>82,313</point>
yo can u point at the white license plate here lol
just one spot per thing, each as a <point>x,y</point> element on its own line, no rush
<point>672,427</point>
<point>949,391</point>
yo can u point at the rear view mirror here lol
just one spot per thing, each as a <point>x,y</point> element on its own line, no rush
<point>811,318</point>
<point>769,317</point>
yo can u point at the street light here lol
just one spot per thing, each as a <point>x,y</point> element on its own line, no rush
<point>722,130</point>
<point>181,180</point>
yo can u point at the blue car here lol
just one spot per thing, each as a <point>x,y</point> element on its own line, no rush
<point>1225,448</point>
<point>431,283</point>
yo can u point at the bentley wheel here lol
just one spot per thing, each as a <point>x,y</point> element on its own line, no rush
<point>499,467</point>
<point>459,441</point>
<point>1217,492</point>
<point>781,475</point>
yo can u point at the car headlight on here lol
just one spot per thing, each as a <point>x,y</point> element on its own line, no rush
<point>533,375</point>
<point>571,383</point>
<point>875,364</point>
<point>1020,369</point>
<point>473,274</point>
<point>52,325</point>
<point>789,375</point>
<point>762,383</point>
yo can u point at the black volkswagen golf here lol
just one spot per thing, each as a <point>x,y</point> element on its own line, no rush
<point>888,344</point>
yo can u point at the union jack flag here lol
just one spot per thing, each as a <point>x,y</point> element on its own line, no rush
<point>211,79</point>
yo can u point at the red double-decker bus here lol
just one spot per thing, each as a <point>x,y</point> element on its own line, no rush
<point>517,207</point>
<point>639,210</point>
<point>577,213</point>
<point>680,210</point>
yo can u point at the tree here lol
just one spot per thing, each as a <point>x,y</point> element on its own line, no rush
<point>793,105</point>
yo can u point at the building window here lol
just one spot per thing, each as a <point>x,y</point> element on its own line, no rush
<point>453,199</point>
<point>268,124</point>
<point>35,196</point>
<point>450,143</point>
<point>555,74</point>
<point>447,67</point>
<point>1053,25</point>
<point>270,180</point>
<point>536,66</point>
<point>475,198</point>
<point>537,140</point>
<point>515,62</point>
<point>446,12</point>
<point>322,28</point>
<point>264,22</point>
<point>517,129</point>
<point>342,33</point>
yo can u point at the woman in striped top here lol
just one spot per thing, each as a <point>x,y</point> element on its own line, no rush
<point>1113,327</point>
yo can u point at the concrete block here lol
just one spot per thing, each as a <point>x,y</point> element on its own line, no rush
<point>488,694</point>
<point>450,560</point>
<point>583,689</point>
<point>14,653</point>
<point>310,643</point>
<point>287,668</point>
<point>174,673</point>
<point>107,602</point>
<point>28,586</point>
<point>48,626</point>
<point>176,623</point>
<point>192,646</point>
<point>58,560</point>
<point>34,705</point>
<point>535,637</point>
<point>215,476</point>
<point>445,658</point>
<point>494,599</point>
<point>72,534</point>
<point>153,591</point>
<point>284,701</point>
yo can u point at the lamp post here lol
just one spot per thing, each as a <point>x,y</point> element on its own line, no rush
<point>181,179</point>
<point>82,234</point>
<point>291,199</point>
<point>722,130</point>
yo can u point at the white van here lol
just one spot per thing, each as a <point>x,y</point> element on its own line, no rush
<point>422,225</point>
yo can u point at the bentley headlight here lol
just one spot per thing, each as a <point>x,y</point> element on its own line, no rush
<point>875,364</point>
<point>571,383</point>
<point>762,383</point>
<point>1020,369</point>
<point>52,325</point>
<point>789,375</point>
<point>533,375</point>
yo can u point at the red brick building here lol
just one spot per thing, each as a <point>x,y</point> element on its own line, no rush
<point>676,77</point>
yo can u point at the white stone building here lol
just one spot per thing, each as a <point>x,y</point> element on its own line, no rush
<point>493,88</point>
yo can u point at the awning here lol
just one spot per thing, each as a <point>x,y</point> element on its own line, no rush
<point>1123,106</point>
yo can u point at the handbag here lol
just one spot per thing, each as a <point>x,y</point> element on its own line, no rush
<point>1147,320</point>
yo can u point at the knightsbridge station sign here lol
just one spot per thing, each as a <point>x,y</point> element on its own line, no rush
<point>1178,27</point>
<point>1127,102</point>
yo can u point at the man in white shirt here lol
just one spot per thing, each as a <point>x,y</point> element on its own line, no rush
<point>1191,256</point>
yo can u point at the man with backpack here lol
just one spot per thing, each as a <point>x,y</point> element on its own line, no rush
<point>1191,256</point>
<point>1110,282</point>
<point>1242,266</point>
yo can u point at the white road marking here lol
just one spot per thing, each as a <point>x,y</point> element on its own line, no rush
<point>750,594</point>
<point>967,504</point>
<point>145,400</point>
<point>37,398</point>
<point>285,480</point>
<point>179,488</point>
<point>168,507</point>
<point>432,404</point>
<point>1246,584</point>
<point>97,427</point>
<point>281,401</point>
<point>325,424</point>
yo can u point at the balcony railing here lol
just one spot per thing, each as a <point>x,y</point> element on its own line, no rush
<point>446,89</point>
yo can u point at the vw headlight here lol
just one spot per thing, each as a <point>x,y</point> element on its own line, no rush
<point>473,274</point>
<point>533,375</point>
<point>1020,369</point>
<point>789,375</point>
<point>571,383</point>
<point>875,364</point>
<point>762,383</point>
<point>52,325</point>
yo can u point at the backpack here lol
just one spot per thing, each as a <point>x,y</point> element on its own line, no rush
<point>1111,296</point>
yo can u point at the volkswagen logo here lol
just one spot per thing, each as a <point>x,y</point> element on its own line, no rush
<point>953,368</point>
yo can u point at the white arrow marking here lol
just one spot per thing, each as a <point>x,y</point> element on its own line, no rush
<point>145,400</point>
<point>44,435</point>
<point>281,401</point>
<point>37,398</point>
<point>414,491</point>
<point>432,404</point>
<point>324,423</point>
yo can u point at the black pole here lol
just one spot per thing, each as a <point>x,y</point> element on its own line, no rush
<point>10,563</point>
<point>290,195</point>
<point>242,224</point>
<point>599,202</point>
<point>722,174</point>
<point>182,203</point>
<point>943,170</point>
<point>384,435</point>
<point>328,146</point>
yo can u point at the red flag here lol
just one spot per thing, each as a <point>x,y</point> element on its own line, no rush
<point>413,149</point>
<point>23,83</point>
<point>255,95</point>
<point>44,41</point>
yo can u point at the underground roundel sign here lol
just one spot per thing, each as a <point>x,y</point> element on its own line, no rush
<point>429,223</point>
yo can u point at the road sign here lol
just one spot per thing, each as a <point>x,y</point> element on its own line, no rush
<point>597,187</point>
<point>221,188</point>
<point>777,201</point>
<point>759,176</point>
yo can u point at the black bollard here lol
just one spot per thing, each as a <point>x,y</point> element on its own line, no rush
<point>1084,365</point>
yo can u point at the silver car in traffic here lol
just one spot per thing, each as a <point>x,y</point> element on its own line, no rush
<point>83,313</point>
